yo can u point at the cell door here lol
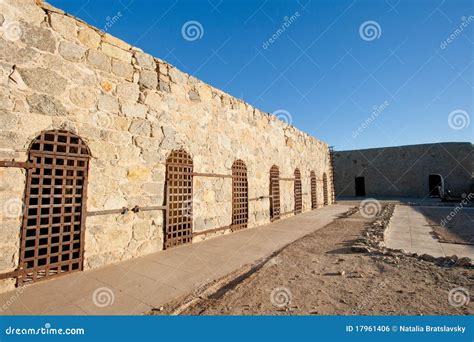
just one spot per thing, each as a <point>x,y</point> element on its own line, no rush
<point>297,192</point>
<point>325,189</point>
<point>314,199</point>
<point>240,207</point>
<point>179,193</point>
<point>274,193</point>
<point>52,233</point>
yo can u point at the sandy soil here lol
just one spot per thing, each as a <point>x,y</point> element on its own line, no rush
<point>320,275</point>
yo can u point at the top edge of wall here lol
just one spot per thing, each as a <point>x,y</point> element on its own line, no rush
<point>466,143</point>
<point>48,8</point>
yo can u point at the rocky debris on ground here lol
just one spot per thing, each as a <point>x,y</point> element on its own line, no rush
<point>350,212</point>
<point>372,242</point>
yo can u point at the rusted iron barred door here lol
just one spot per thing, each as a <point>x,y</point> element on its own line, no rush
<point>314,202</point>
<point>52,234</point>
<point>297,192</point>
<point>179,192</point>
<point>274,193</point>
<point>239,195</point>
<point>325,189</point>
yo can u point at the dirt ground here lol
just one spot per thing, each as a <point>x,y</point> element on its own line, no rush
<point>320,275</point>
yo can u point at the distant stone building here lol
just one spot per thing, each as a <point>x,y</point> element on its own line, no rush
<point>108,153</point>
<point>407,171</point>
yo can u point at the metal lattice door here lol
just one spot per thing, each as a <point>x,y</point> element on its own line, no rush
<point>179,192</point>
<point>297,192</point>
<point>325,189</point>
<point>274,193</point>
<point>314,202</point>
<point>239,195</point>
<point>52,234</point>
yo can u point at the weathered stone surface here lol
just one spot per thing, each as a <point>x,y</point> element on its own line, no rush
<point>140,127</point>
<point>43,80</point>
<point>164,86</point>
<point>145,60</point>
<point>138,173</point>
<point>154,100</point>
<point>108,103</point>
<point>107,86</point>
<point>194,96</point>
<point>45,104</point>
<point>148,79</point>
<point>175,75</point>
<point>116,52</point>
<point>89,37</point>
<point>134,110</point>
<point>8,121</point>
<point>128,90</point>
<point>83,97</point>
<point>122,69</point>
<point>38,37</point>
<point>26,10</point>
<point>71,52</point>
<point>99,60</point>
<point>64,25</point>
<point>108,38</point>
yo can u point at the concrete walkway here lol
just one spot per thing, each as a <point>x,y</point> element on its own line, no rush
<point>135,286</point>
<point>410,230</point>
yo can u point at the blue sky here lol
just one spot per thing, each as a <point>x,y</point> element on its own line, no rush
<point>397,82</point>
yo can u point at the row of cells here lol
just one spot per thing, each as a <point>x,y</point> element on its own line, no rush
<point>52,233</point>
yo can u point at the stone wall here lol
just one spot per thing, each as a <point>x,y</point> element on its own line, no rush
<point>132,110</point>
<point>404,170</point>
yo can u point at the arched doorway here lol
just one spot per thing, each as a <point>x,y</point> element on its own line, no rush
<point>239,195</point>
<point>297,192</point>
<point>52,233</point>
<point>314,202</point>
<point>325,189</point>
<point>274,193</point>
<point>179,193</point>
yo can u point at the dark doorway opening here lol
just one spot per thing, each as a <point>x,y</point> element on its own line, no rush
<point>435,183</point>
<point>360,186</point>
